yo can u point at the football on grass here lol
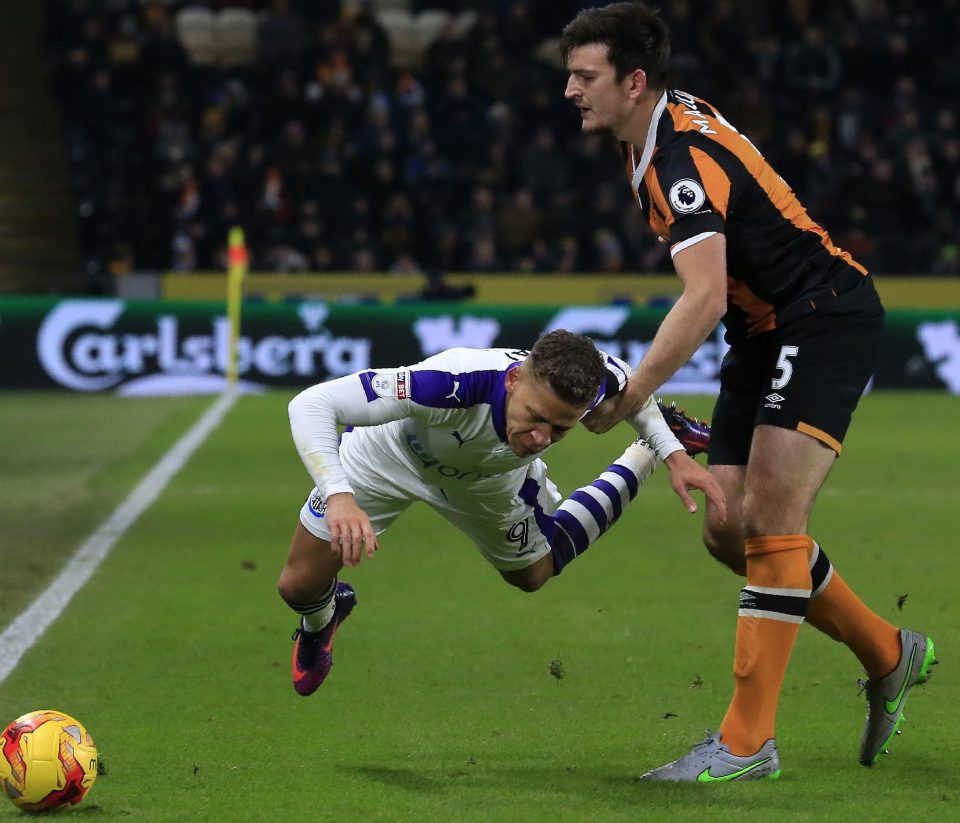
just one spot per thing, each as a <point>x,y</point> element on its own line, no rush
<point>47,760</point>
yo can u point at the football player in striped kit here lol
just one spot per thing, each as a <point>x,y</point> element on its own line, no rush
<point>462,431</point>
<point>804,324</point>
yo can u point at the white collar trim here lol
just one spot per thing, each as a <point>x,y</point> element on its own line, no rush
<point>650,143</point>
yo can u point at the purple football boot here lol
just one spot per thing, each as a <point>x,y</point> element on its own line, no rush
<point>694,435</point>
<point>313,651</point>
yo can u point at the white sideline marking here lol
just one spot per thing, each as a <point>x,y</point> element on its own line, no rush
<point>27,628</point>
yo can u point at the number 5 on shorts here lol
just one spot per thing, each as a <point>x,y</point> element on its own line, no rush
<point>785,366</point>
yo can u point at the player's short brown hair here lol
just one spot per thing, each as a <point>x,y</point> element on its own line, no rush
<point>635,36</point>
<point>570,364</point>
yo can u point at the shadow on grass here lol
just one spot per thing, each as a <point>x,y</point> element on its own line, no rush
<point>615,789</point>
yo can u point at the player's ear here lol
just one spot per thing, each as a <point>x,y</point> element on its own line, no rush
<point>512,378</point>
<point>638,83</point>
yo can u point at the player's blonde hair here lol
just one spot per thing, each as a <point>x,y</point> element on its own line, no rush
<point>570,364</point>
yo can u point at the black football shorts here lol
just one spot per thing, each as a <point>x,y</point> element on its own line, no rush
<point>808,376</point>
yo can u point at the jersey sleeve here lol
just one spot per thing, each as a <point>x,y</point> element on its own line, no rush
<point>692,192</point>
<point>317,412</point>
<point>432,390</point>
<point>617,373</point>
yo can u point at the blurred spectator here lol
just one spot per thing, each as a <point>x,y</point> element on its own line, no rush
<point>281,35</point>
<point>334,156</point>
<point>483,254</point>
<point>518,227</point>
<point>811,66</point>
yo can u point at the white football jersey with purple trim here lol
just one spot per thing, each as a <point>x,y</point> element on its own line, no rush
<point>452,427</point>
<point>443,418</point>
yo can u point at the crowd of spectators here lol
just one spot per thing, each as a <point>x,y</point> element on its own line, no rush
<point>464,156</point>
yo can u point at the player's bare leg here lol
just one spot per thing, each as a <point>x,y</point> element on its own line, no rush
<point>310,569</point>
<point>533,577</point>
<point>308,583</point>
<point>835,610</point>
<point>724,539</point>
<point>785,472</point>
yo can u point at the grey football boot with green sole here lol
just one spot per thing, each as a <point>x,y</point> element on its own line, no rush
<point>887,695</point>
<point>712,762</point>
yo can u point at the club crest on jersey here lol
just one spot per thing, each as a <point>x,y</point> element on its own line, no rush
<point>318,506</point>
<point>687,196</point>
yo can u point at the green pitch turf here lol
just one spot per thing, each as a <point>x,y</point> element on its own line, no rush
<point>454,697</point>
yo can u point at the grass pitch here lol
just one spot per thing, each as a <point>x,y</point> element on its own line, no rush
<point>445,703</point>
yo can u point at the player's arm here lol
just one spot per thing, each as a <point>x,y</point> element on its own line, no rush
<point>317,413</point>
<point>685,472</point>
<point>648,421</point>
<point>702,269</point>
<point>315,417</point>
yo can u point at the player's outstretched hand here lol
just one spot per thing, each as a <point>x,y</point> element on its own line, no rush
<point>686,474</point>
<point>350,529</point>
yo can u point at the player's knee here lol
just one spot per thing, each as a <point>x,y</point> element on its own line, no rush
<point>531,579</point>
<point>761,517</point>
<point>726,546</point>
<point>528,584</point>
<point>292,588</point>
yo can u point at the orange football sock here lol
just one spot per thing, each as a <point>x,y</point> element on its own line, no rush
<point>772,606</point>
<point>838,612</point>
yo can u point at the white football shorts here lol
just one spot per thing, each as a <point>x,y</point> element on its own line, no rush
<point>499,514</point>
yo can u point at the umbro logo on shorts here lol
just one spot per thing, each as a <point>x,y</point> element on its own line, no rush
<point>773,401</point>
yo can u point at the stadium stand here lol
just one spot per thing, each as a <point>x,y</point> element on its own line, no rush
<point>414,135</point>
<point>39,250</point>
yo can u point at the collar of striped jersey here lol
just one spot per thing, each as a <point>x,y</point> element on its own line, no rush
<point>640,168</point>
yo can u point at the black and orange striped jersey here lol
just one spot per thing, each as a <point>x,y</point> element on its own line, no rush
<point>696,176</point>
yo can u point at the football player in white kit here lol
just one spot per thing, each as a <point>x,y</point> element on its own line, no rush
<point>462,431</point>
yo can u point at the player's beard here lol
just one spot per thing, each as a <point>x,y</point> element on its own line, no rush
<point>599,129</point>
<point>594,126</point>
